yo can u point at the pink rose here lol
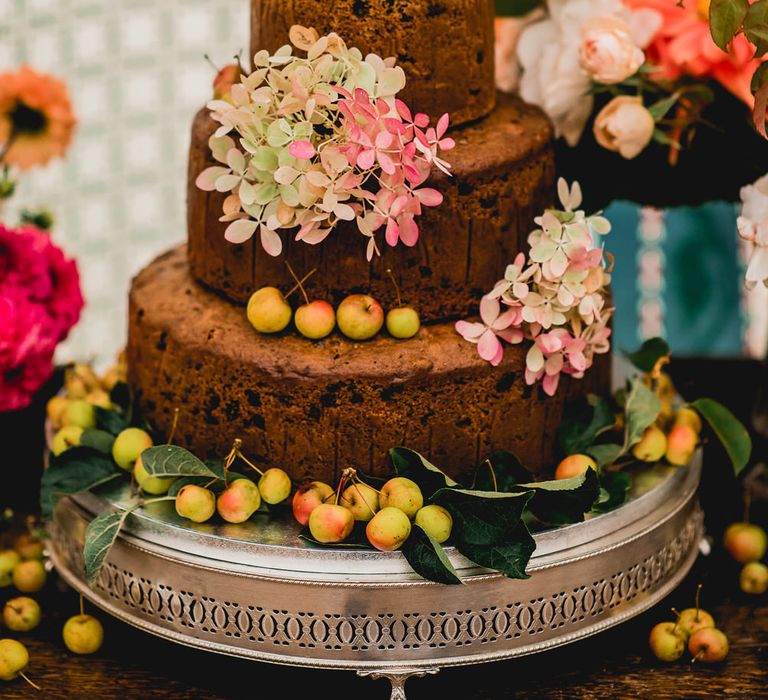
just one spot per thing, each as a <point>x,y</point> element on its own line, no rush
<point>608,53</point>
<point>624,125</point>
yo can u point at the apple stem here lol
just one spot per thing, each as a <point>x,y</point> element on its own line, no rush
<point>238,59</point>
<point>82,605</point>
<point>298,281</point>
<point>698,656</point>
<point>747,504</point>
<point>360,493</point>
<point>249,463</point>
<point>493,474</point>
<point>397,286</point>
<point>174,423</point>
<point>677,614</point>
<point>157,500</point>
<point>698,593</point>
<point>26,678</point>
<point>342,481</point>
<point>210,62</point>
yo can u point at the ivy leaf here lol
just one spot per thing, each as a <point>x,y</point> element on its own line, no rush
<point>99,440</point>
<point>725,19</point>
<point>427,557</point>
<point>415,467</point>
<point>516,8</point>
<point>615,486</point>
<point>100,535</point>
<point>563,501</point>
<point>510,557</point>
<point>172,460</point>
<point>729,430</point>
<point>76,470</point>
<point>500,471</point>
<point>649,353</point>
<point>583,423</point>
<point>756,26</point>
<point>605,454</point>
<point>111,421</point>
<point>641,411</point>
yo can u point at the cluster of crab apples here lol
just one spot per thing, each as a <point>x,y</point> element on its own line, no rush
<point>387,512</point>
<point>358,316</point>
<point>746,543</point>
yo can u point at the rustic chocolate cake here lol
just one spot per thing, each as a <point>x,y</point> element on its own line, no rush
<point>316,407</point>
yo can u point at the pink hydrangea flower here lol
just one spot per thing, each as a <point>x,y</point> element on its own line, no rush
<point>495,325</point>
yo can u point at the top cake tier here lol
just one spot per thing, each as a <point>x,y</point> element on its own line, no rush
<point>445,47</point>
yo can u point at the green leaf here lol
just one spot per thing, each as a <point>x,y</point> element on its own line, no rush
<point>563,501</point>
<point>100,535</point>
<point>649,353</point>
<point>584,421</point>
<point>725,20</point>
<point>76,470</point>
<point>510,557</point>
<point>172,460</point>
<point>415,467</point>
<point>99,440</point>
<point>615,486</point>
<point>516,8</point>
<point>122,396</point>
<point>427,557</point>
<point>729,430</point>
<point>641,411</point>
<point>755,25</point>
<point>605,454</point>
<point>658,110</point>
<point>759,78</point>
<point>113,422</point>
<point>500,471</point>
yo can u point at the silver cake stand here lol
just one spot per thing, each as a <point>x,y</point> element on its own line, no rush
<point>260,592</point>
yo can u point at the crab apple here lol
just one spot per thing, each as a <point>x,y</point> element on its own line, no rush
<point>79,380</point>
<point>666,413</point>
<point>274,486</point>
<point>681,444</point>
<point>709,645</point>
<point>268,311</point>
<point>666,642</point>
<point>80,413</point>
<point>29,576</point>
<point>195,503</point>
<point>239,501</point>
<point>68,436</point>
<point>224,80</point>
<point>83,634</point>
<point>689,417</point>
<point>55,408</point>
<point>754,578</point>
<point>388,529</point>
<point>111,377</point>
<point>652,445</point>
<point>403,322</point>
<point>309,497</point>
<point>745,542</point>
<point>402,493</point>
<point>362,500</point>
<point>29,547</point>
<point>574,465</point>
<point>315,320</point>
<point>155,485</point>
<point>14,658</point>
<point>21,614</point>
<point>129,445</point>
<point>99,397</point>
<point>331,523</point>
<point>691,620</point>
<point>8,561</point>
<point>435,520</point>
<point>360,317</point>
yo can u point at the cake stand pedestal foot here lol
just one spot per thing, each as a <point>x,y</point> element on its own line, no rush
<point>397,677</point>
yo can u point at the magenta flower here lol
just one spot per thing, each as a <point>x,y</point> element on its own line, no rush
<point>495,325</point>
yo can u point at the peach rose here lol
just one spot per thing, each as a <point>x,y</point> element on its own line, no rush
<point>608,53</point>
<point>624,125</point>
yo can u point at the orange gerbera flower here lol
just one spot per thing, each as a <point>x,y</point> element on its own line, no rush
<point>36,118</point>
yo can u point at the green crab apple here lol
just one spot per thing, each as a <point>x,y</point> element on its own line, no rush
<point>195,503</point>
<point>436,521</point>
<point>709,645</point>
<point>29,576</point>
<point>403,322</point>
<point>331,523</point>
<point>754,578</point>
<point>68,436</point>
<point>154,485</point>
<point>403,493</point>
<point>80,413</point>
<point>129,445</point>
<point>239,501</point>
<point>692,620</point>
<point>268,311</point>
<point>681,444</point>
<point>8,561</point>
<point>21,614</point>
<point>362,500</point>
<point>29,547</point>
<point>573,465</point>
<point>309,497</point>
<point>666,642</point>
<point>55,408</point>
<point>388,529</point>
<point>99,397</point>
<point>83,634</point>
<point>360,317</point>
<point>274,486</point>
<point>652,445</point>
<point>14,658</point>
<point>315,319</point>
<point>745,542</point>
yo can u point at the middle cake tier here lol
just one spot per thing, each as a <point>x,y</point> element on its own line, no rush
<point>503,176</point>
<point>315,408</point>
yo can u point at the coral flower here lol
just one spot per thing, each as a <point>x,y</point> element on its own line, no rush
<point>36,118</point>
<point>683,45</point>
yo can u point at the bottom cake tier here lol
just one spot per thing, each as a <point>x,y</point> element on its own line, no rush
<point>315,408</point>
